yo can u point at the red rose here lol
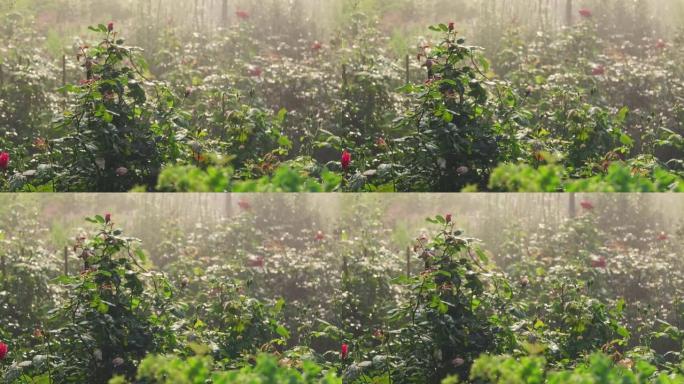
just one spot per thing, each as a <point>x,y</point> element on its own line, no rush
<point>4,161</point>
<point>255,71</point>
<point>108,217</point>
<point>110,26</point>
<point>663,236</point>
<point>344,353</point>
<point>346,160</point>
<point>320,235</point>
<point>452,26</point>
<point>598,70</point>
<point>242,15</point>
<point>3,350</point>
<point>244,204</point>
<point>599,263</point>
<point>256,262</point>
<point>587,205</point>
<point>448,218</point>
<point>316,46</point>
<point>585,12</point>
<point>661,44</point>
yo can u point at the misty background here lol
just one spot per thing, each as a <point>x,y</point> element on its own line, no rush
<point>488,217</point>
<point>402,21</point>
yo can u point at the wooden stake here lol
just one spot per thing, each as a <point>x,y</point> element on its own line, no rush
<point>3,269</point>
<point>224,13</point>
<point>572,206</point>
<point>66,261</point>
<point>344,75</point>
<point>64,81</point>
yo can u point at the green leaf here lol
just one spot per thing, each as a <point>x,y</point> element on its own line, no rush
<point>482,255</point>
<point>439,28</point>
<point>282,114</point>
<point>622,115</point>
<point>280,303</point>
<point>282,331</point>
<point>626,140</point>
<point>442,307</point>
<point>447,116</point>
<point>141,255</point>
<point>484,63</point>
<point>285,142</point>
<point>102,307</point>
<point>135,303</point>
<point>622,331</point>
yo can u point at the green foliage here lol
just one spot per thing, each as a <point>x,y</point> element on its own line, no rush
<point>287,179</point>
<point>26,295</point>
<point>166,370</point>
<point>452,135</point>
<point>115,313</point>
<point>598,369</point>
<point>27,80</point>
<point>234,324</point>
<point>585,301</point>
<point>525,178</point>
<point>589,107</point>
<point>192,179</point>
<point>212,179</point>
<point>551,178</point>
<point>244,100</point>
<point>451,316</point>
<point>121,127</point>
<point>504,369</point>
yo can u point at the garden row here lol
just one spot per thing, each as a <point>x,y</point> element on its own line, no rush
<point>237,111</point>
<point>238,302</point>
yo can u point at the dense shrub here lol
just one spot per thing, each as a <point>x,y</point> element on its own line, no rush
<point>121,128</point>
<point>115,313</point>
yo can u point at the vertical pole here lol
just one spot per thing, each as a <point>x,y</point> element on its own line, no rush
<point>64,81</point>
<point>344,75</point>
<point>3,269</point>
<point>64,73</point>
<point>408,70</point>
<point>572,205</point>
<point>66,261</point>
<point>224,13</point>
<point>408,261</point>
<point>345,271</point>
<point>159,11</point>
<point>568,12</point>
